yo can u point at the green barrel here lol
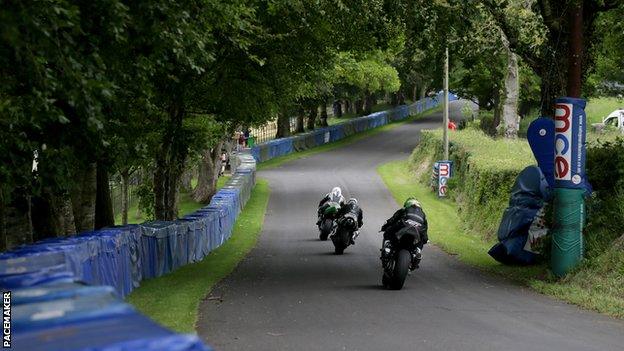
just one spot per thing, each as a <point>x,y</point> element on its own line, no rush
<point>251,141</point>
<point>567,237</point>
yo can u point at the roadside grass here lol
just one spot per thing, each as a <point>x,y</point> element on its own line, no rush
<point>278,161</point>
<point>596,285</point>
<point>598,108</point>
<point>185,206</point>
<point>173,300</point>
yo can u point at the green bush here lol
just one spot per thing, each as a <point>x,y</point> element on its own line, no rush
<point>605,172</point>
<point>484,170</point>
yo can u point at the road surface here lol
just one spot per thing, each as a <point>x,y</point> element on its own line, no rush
<point>293,293</point>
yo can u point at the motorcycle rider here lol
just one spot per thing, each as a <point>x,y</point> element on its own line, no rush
<point>412,210</point>
<point>334,196</point>
<point>352,207</point>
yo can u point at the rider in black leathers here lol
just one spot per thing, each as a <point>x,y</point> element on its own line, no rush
<point>411,210</point>
<point>352,207</point>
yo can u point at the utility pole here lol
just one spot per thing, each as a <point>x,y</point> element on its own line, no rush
<point>446,106</point>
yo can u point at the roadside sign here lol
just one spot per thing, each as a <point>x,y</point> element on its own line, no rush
<point>444,173</point>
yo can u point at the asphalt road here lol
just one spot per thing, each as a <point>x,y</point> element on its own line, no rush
<point>293,293</point>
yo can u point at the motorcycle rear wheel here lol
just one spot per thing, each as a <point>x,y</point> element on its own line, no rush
<point>401,267</point>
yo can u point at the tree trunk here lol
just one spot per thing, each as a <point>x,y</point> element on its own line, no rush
<point>359,104</point>
<point>283,125</point>
<point>186,182</point>
<point>423,92</point>
<point>52,215</point>
<point>368,103</point>
<point>83,198</point>
<point>401,97</point>
<point>575,54</point>
<point>415,93</point>
<point>125,182</point>
<point>169,167</point>
<point>337,108</point>
<point>208,175</point>
<point>349,106</point>
<point>394,99</point>
<point>324,115</point>
<point>312,117</point>
<point>104,216</point>
<point>300,120</point>
<point>510,119</point>
<point>16,226</point>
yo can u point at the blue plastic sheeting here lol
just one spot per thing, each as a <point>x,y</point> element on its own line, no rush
<point>165,343</point>
<point>44,314</point>
<point>208,223</point>
<point>58,273</point>
<point>162,248</point>
<point>528,195</point>
<point>81,255</point>
<point>133,231</point>
<point>55,291</point>
<point>117,246</point>
<point>88,334</point>
<point>28,267</point>
<point>224,216</point>
<point>28,261</point>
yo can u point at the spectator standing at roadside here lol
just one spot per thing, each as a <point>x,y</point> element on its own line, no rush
<point>246,135</point>
<point>241,141</point>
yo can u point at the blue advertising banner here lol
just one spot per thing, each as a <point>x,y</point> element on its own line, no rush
<point>541,137</point>
<point>570,148</point>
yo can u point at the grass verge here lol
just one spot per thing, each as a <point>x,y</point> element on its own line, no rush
<point>591,287</point>
<point>173,300</point>
<point>278,161</point>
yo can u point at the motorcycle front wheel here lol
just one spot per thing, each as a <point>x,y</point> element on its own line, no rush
<point>401,267</point>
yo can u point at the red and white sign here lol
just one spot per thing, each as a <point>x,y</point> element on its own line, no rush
<point>563,141</point>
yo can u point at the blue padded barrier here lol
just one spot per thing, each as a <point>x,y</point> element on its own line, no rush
<point>158,248</point>
<point>163,343</point>
<point>81,255</point>
<point>56,291</point>
<point>115,261</point>
<point>89,334</point>
<point>76,309</point>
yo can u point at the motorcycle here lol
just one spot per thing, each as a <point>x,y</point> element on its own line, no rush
<point>345,229</point>
<point>327,224</point>
<point>396,255</point>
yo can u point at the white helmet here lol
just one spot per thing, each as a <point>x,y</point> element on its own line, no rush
<point>336,194</point>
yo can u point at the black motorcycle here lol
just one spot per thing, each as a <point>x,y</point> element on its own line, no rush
<point>396,255</point>
<point>327,223</point>
<point>345,228</point>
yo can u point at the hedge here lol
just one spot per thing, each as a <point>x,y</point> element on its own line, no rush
<point>484,170</point>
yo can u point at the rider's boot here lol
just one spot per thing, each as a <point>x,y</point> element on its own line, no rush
<point>416,257</point>
<point>354,236</point>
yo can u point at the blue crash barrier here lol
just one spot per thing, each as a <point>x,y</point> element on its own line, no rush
<point>284,146</point>
<point>76,309</point>
<point>160,248</point>
<point>92,334</point>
